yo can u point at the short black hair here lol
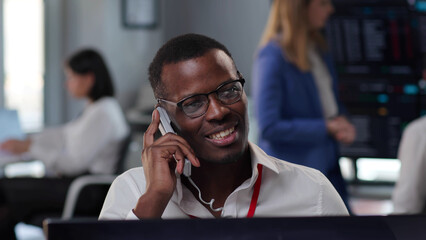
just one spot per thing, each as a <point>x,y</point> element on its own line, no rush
<point>90,61</point>
<point>177,49</point>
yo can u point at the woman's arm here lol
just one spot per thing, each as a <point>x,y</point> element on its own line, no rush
<point>71,149</point>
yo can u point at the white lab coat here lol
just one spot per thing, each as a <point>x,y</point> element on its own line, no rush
<point>88,144</point>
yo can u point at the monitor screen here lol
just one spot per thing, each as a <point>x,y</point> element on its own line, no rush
<point>10,126</point>
<point>378,48</point>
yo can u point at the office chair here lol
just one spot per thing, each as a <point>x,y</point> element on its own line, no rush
<point>92,188</point>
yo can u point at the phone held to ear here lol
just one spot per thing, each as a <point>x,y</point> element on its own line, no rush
<point>166,127</point>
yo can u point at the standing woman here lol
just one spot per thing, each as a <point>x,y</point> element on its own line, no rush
<point>88,145</point>
<point>295,90</point>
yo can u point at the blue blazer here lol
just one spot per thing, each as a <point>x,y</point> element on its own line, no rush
<point>289,113</point>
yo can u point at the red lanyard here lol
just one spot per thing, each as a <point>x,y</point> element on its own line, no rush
<point>255,195</point>
<point>256,191</point>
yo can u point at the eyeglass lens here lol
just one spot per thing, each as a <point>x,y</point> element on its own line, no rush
<point>227,94</point>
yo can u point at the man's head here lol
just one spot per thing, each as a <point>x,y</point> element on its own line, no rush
<point>179,49</point>
<point>191,65</point>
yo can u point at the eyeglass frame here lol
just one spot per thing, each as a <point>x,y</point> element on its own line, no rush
<point>180,102</point>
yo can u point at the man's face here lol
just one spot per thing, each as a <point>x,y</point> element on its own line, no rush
<point>221,134</point>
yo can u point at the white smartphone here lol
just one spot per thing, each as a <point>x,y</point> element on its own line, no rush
<point>166,127</point>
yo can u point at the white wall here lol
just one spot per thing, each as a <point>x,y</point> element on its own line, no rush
<point>238,24</point>
<point>97,24</point>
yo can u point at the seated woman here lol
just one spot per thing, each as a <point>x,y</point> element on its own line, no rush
<point>89,144</point>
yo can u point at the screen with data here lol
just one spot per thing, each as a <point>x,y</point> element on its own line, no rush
<point>378,48</point>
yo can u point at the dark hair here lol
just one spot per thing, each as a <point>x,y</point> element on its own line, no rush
<point>179,49</point>
<point>90,61</point>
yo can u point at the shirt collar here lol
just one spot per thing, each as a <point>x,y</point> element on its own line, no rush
<point>258,156</point>
<point>178,193</point>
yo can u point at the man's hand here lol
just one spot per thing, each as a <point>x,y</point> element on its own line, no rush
<point>341,129</point>
<point>15,146</point>
<point>160,160</point>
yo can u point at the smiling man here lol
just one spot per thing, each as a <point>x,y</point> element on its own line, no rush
<point>195,79</point>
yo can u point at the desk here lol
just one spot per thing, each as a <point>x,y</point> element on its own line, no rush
<point>20,166</point>
<point>6,158</point>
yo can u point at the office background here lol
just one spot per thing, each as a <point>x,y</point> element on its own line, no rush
<point>70,25</point>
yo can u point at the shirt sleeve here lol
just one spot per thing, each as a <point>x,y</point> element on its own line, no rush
<point>47,145</point>
<point>70,149</point>
<point>409,195</point>
<point>268,89</point>
<point>331,203</point>
<point>123,196</point>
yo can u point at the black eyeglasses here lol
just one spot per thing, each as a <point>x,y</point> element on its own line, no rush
<point>196,105</point>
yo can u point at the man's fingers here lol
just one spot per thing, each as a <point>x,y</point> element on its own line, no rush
<point>182,154</point>
<point>173,139</point>
<point>183,151</point>
<point>171,143</point>
<point>148,137</point>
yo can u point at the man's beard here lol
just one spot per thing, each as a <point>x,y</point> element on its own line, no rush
<point>230,158</point>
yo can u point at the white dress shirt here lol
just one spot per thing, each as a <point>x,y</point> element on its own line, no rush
<point>409,195</point>
<point>286,190</point>
<point>90,143</point>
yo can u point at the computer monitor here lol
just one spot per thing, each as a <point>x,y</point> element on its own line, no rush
<point>9,125</point>
<point>378,48</point>
<point>348,228</point>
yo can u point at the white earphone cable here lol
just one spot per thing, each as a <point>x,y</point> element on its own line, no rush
<point>201,199</point>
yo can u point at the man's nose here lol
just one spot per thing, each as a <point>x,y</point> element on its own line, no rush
<point>216,109</point>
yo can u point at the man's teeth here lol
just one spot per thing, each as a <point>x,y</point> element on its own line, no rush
<point>222,134</point>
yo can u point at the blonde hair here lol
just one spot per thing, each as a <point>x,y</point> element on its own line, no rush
<point>288,24</point>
